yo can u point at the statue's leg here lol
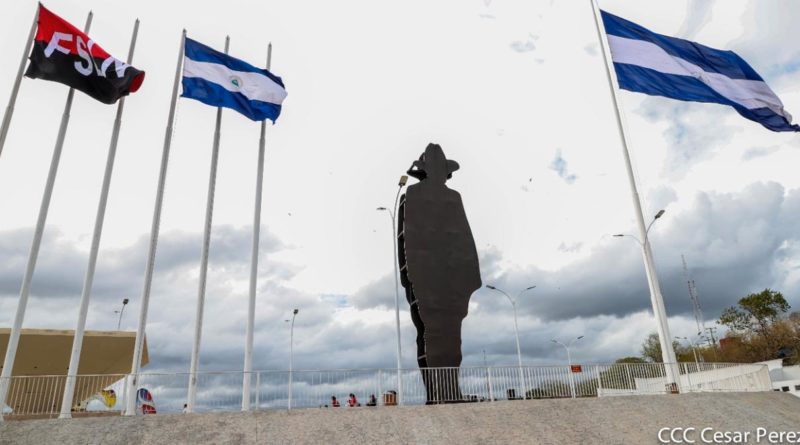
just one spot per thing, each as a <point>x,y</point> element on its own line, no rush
<point>422,360</point>
<point>443,353</point>
<point>417,320</point>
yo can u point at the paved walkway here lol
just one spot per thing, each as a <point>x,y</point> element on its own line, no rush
<point>609,420</point>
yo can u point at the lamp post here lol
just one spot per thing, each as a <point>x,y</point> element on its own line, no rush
<point>291,354</point>
<point>400,184</point>
<point>516,329</point>
<point>569,360</point>
<point>124,302</point>
<point>692,345</point>
<point>646,232</point>
<point>657,301</point>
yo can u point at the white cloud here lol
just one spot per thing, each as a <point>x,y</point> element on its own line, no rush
<point>369,86</point>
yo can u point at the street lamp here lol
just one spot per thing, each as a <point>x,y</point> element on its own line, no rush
<point>569,360</point>
<point>291,354</point>
<point>516,329</point>
<point>400,184</point>
<point>657,301</point>
<point>692,344</point>
<point>646,232</point>
<point>124,302</point>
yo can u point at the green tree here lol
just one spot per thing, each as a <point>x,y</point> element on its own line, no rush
<point>622,374</point>
<point>755,315</point>
<point>651,348</point>
<point>630,360</point>
<point>793,324</point>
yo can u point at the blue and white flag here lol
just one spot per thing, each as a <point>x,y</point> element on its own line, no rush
<point>659,65</point>
<point>220,80</point>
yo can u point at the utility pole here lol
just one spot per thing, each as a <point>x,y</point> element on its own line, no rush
<point>711,331</point>
<point>698,313</point>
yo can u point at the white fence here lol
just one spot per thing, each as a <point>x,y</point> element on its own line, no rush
<point>40,396</point>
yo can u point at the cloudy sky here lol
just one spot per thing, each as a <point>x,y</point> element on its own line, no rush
<point>515,91</point>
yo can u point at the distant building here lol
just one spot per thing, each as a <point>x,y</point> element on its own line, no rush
<point>37,379</point>
<point>784,378</point>
<point>729,342</point>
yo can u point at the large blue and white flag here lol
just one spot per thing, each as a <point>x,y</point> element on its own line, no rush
<point>220,80</point>
<point>659,65</point>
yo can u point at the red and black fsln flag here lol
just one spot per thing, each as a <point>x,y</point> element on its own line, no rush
<point>64,54</point>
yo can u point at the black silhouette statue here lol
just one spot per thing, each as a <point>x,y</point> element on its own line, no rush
<point>438,268</point>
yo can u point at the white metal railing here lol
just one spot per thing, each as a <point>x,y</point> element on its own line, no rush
<point>40,396</point>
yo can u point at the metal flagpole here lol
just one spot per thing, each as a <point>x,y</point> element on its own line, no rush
<point>201,289</point>
<point>656,298</point>
<point>77,343</point>
<point>394,216</point>
<point>251,308</point>
<point>24,293</point>
<point>13,99</point>
<point>130,409</point>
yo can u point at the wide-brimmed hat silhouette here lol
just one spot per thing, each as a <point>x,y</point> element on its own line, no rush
<point>433,164</point>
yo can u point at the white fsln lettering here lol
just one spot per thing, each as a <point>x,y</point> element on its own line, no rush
<point>88,64</point>
<point>53,45</point>
<point>120,67</point>
<point>94,63</point>
<point>106,63</point>
<point>83,53</point>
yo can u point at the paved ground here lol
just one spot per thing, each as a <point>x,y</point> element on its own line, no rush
<point>610,420</point>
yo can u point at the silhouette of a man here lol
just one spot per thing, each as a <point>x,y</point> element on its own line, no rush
<point>439,269</point>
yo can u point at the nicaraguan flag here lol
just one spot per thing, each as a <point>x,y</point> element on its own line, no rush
<point>659,65</point>
<point>220,80</point>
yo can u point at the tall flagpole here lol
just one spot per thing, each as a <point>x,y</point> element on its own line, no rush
<point>130,399</point>
<point>201,289</point>
<point>24,293</point>
<point>13,99</point>
<point>77,343</point>
<point>656,299</point>
<point>251,308</point>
